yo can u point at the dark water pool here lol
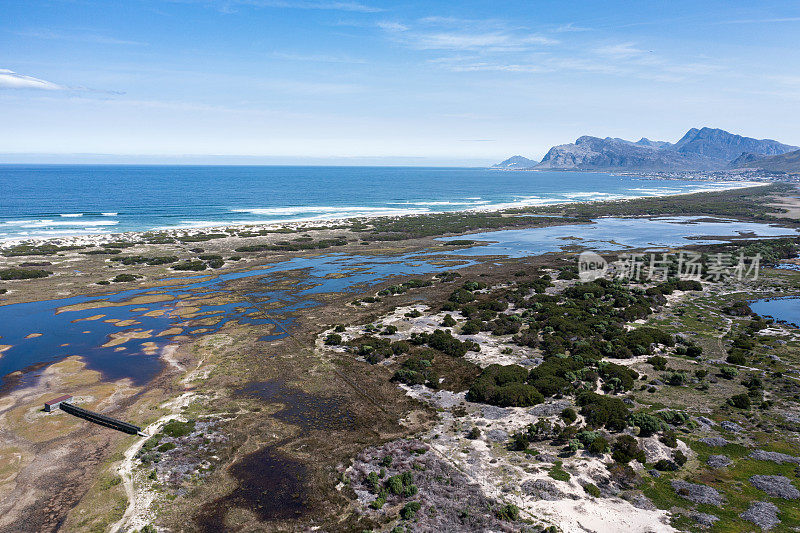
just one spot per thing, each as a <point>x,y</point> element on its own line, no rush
<point>781,309</point>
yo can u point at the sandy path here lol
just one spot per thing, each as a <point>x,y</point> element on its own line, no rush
<point>139,506</point>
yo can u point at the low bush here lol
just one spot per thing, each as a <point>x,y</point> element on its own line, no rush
<point>504,385</point>
<point>176,428</point>
<point>333,339</point>
<point>124,278</point>
<point>625,449</point>
<point>23,273</point>
<point>740,401</point>
<point>603,411</point>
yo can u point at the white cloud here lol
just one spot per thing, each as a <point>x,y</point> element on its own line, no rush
<point>497,42</point>
<point>760,21</point>
<point>86,38</point>
<point>318,58</point>
<point>11,80</point>
<point>392,26</point>
<point>489,36</point>
<point>620,51</point>
<point>356,7</point>
<point>569,27</point>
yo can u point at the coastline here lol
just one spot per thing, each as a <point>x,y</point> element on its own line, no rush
<point>316,223</point>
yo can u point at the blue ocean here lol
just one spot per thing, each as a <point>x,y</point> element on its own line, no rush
<point>55,200</point>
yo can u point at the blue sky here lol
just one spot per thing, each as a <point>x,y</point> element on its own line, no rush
<point>371,81</point>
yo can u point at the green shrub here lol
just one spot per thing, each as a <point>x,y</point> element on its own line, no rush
<point>603,411</point>
<point>176,428</point>
<point>648,424</point>
<point>558,473</point>
<point>23,273</point>
<point>592,490</point>
<point>669,438</point>
<point>728,372</point>
<point>124,278</point>
<point>659,363</point>
<point>569,415</point>
<point>737,358</point>
<point>461,296</point>
<point>471,327</point>
<point>740,401</point>
<point>448,321</point>
<point>410,510</point>
<point>665,465</point>
<point>618,377</point>
<point>625,449</point>
<point>598,446</point>
<point>333,339</point>
<point>378,502</point>
<point>508,512</point>
<point>679,457</point>
<point>503,385</point>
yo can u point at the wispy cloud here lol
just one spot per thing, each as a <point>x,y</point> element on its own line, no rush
<point>75,37</point>
<point>569,27</point>
<point>318,58</point>
<point>12,80</point>
<point>490,42</point>
<point>761,21</point>
<point>458,35</point>
<point>357,7</point>
<point>392,26</point>
<point>620,51</point>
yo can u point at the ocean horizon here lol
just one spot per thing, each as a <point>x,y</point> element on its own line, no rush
<point>50,201</point>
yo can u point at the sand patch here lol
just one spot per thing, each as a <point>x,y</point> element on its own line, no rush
<point>187,312</point>
<point>149,348</point>
<point>100,304</point>
<point>4,347</point>
<point>33,335</point>
<point>126,323</point>
<point>170,332</point>
<point>93,317</point>
<point>121,338</point>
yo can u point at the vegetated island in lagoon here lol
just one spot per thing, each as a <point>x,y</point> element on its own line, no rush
<point>367,376</point>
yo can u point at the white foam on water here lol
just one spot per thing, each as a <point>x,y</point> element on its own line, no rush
<point>326,210</point>
<point>71,215</point>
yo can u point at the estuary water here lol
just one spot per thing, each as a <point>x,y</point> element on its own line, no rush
<point>36,334</point>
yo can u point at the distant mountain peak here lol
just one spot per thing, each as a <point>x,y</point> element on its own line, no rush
<point>699,149</point>
<point>720,144</point>
<point>516,162</point>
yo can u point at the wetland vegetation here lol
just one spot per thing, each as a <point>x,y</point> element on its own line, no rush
<point>393,389</point>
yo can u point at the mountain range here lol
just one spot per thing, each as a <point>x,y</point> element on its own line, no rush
<point>698,149</point>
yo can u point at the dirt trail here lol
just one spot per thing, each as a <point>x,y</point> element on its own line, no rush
<point>138,506</point>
